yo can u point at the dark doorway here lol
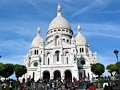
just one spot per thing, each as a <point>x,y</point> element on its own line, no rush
<point>57,74</point>
<point>46,75</point>
<point>68,75</point>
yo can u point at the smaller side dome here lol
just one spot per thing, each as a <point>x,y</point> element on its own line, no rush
<point>80,39</point>
<point>37,40</point>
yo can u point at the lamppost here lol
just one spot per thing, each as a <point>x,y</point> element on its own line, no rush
<point>40,65</point>
<point>116,53</point>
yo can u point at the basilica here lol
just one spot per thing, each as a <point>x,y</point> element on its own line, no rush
<point>61,54</point>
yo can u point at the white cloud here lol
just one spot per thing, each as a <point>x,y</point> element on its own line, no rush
<point>113,12</point>
<point>105,30</point>
<point>93,6</point>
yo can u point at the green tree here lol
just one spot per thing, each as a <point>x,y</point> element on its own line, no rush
<point>98,69</point>
<point>118,66</point>
<point>111,68</point>
<point>19,70</point>
<point>8,70</point>
<point>1,68</point>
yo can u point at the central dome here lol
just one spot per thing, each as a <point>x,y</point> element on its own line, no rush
<point>59,21</point>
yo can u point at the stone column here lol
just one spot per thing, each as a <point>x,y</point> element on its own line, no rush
<point>51,75</point>
<point>62,75</point>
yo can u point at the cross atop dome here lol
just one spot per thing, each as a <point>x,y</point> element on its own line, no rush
<point>59,9</point>
<point>78,27</point>
<point>38,31</point>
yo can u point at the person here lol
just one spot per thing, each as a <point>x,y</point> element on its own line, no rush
<point>17,83</point>
<point>4,86</point>
<point>92,87</point>
<point>105,87</point>
<point>11,86</point>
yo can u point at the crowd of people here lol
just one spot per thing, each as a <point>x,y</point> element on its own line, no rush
<point>53,84</point>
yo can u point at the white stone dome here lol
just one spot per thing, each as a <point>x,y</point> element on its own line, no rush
<point>59,21</point>
<point>37,40</point>
<point>80,39</point>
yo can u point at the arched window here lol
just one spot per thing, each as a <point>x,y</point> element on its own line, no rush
<point>56,40</point>
<point>67,40</point>
<point>48,61</point>
<point>76,50</point>
<point>33,75</point>
<point>35,52</point>
<point>82,49</point>
<point>84,74</point>
<point>57,55</point>
<point>67,59</point>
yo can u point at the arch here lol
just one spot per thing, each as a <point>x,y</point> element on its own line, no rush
<point>57,55</point>
<point>68,40</point>
<point>68,75</point>
<point>34,52</point>
<point>84,74</point>
<point>67,59</point>
<point>48,61</point>
<point>57,74</point>
<point>82,49</point>
<point>66,53</point>
<point>46,75</point>
<point>56,40</point>
<point>48,52</point>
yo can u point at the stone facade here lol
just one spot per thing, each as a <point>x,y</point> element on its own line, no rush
<point>61,54</point>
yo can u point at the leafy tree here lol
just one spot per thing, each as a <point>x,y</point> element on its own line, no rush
<point>1,68</point>
<point>98,69</point>
<point>118,66</point>
<point>111,68</point>
<point>19,70</point>
<point>8,70</point>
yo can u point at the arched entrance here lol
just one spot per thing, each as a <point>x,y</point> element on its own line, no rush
<point>57,74</point>
<point>46,75</point>
<point>68,75</point>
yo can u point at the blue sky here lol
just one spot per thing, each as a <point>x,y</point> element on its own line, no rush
<point>19,19</point>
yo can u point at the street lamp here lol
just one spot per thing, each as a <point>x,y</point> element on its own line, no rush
<point>40,65</point>
<point>116,53</point>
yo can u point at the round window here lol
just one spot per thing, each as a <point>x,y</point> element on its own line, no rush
<point>35,64</point>
<point>82,62</point>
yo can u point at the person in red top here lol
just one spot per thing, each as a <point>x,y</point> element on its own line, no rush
<point>92,87</point>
